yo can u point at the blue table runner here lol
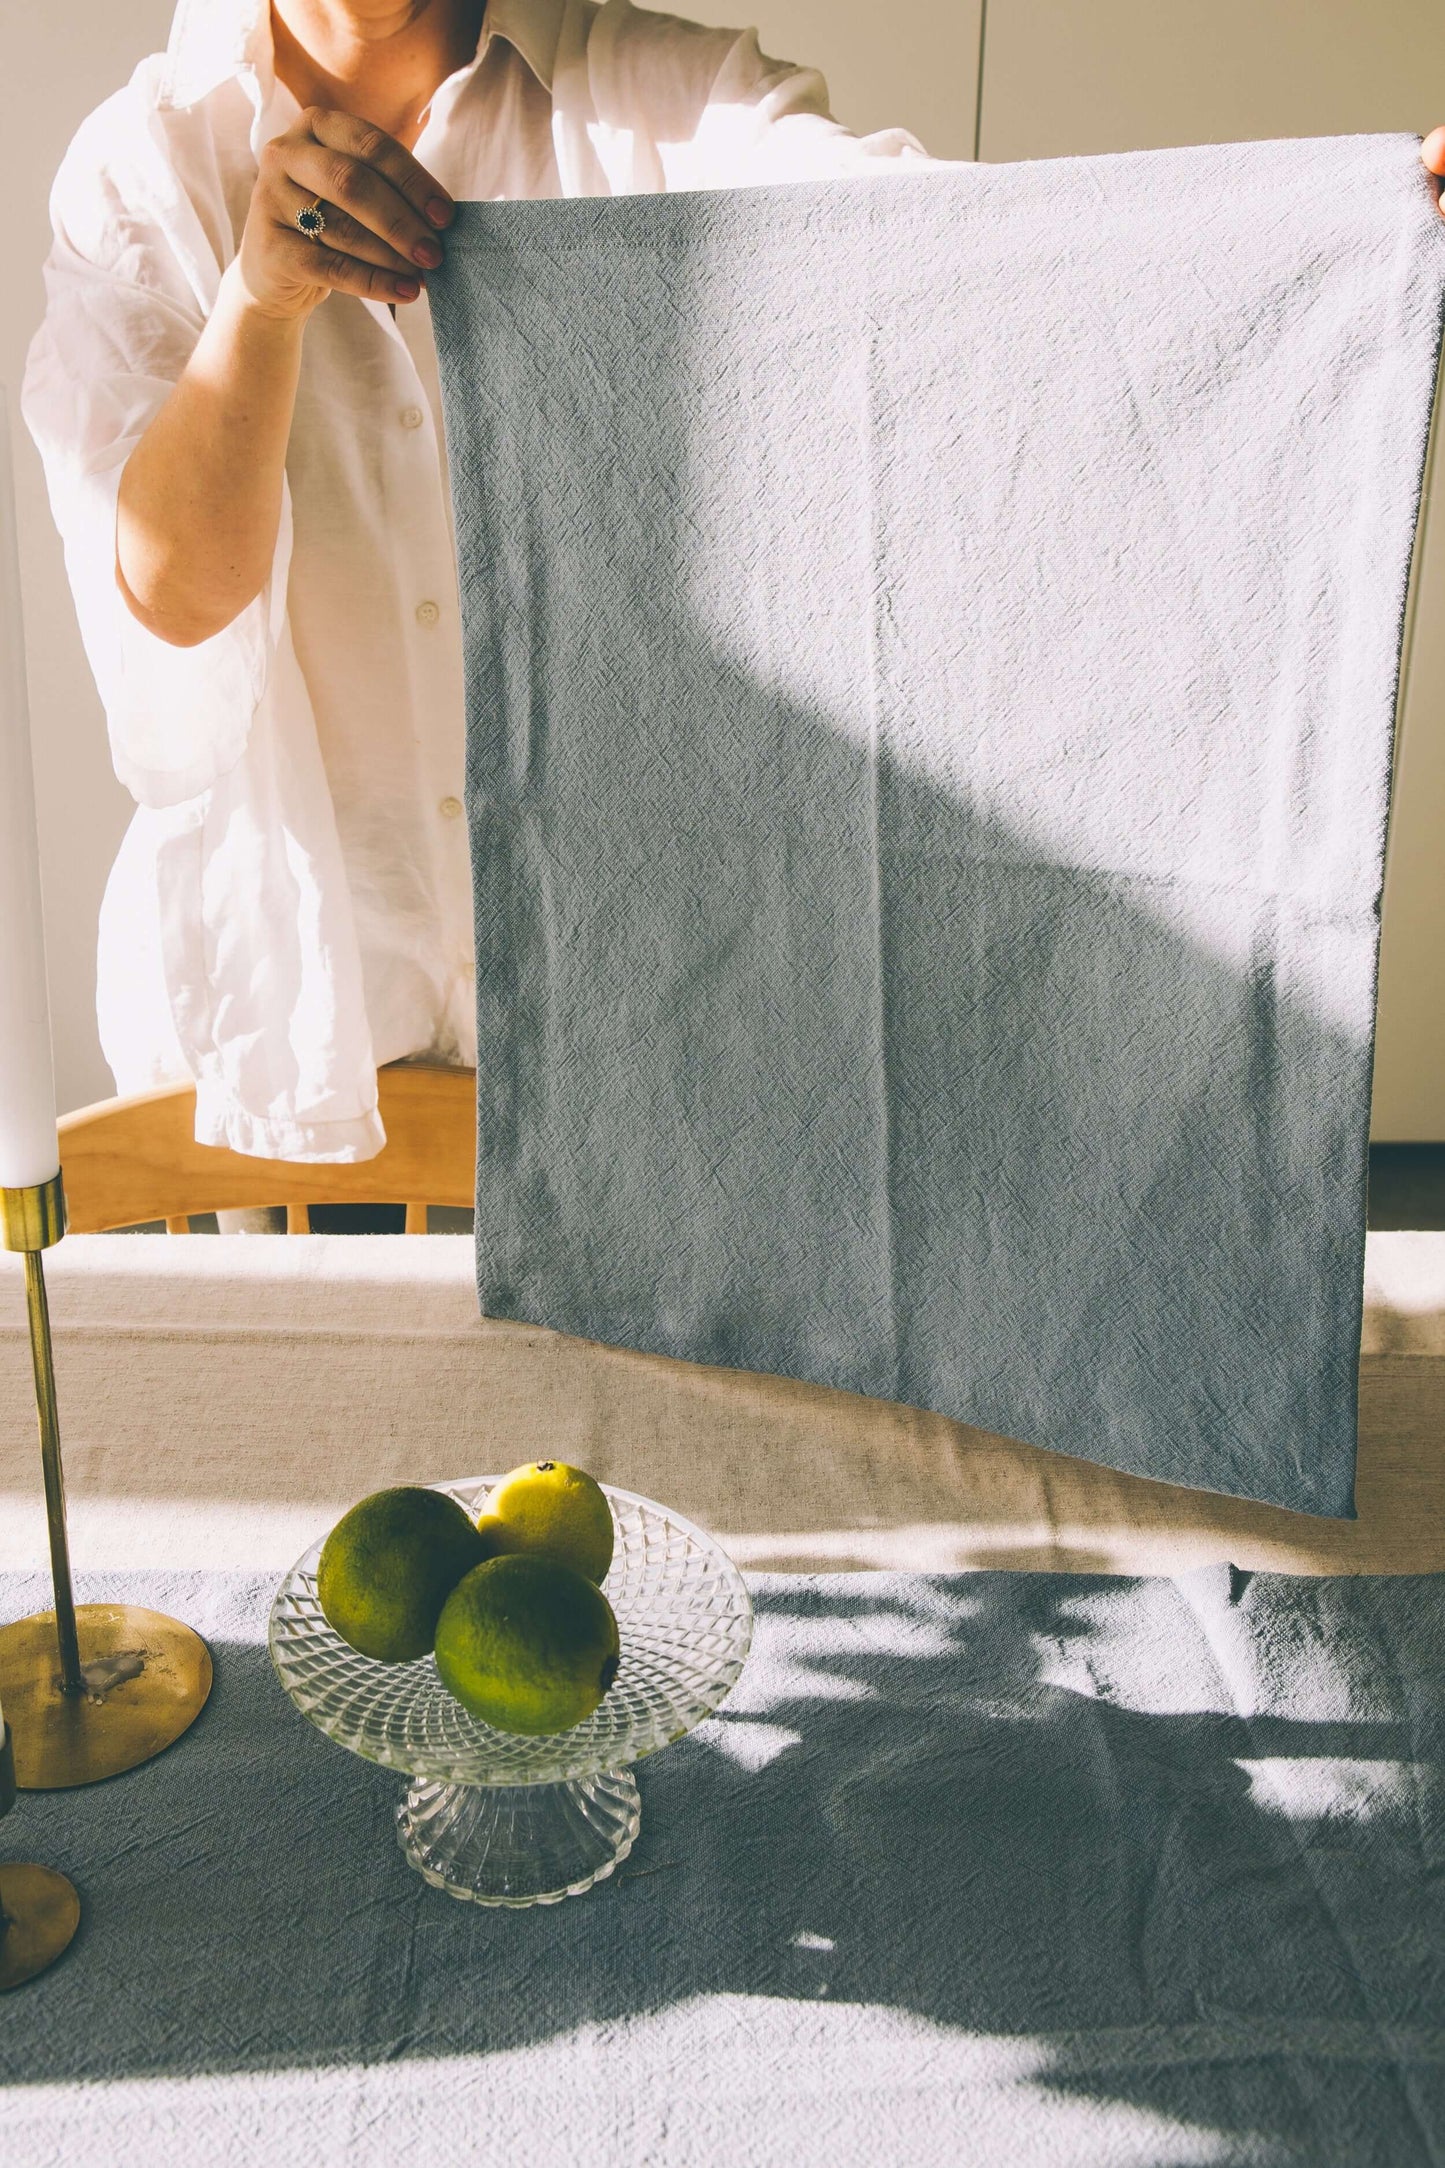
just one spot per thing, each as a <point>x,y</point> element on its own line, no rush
<point>1004,1867</point>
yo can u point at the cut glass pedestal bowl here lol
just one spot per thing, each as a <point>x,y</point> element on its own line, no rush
<point>497,1818</point>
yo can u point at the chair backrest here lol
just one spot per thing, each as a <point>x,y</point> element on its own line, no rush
<point>129,1160</point>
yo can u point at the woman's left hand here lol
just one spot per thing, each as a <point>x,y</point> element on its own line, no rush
<point>1432,152</point>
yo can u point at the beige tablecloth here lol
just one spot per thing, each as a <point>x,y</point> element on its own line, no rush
<point>223,1398</point>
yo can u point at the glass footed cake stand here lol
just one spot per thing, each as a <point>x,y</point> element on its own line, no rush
<point>490,1816</point>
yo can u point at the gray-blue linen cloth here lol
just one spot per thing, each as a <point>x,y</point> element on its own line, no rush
<point>1004,1869</point>
<point>931,650</point>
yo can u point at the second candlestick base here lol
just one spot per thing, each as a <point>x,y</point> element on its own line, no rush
<point>39,1913</point>
<point>146,1681</point>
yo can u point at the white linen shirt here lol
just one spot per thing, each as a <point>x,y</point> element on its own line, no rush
<point>291,904</point>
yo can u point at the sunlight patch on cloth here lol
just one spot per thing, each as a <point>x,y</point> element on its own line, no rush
<point>751,1745</point>
<point>830,2076</point>
<point>1329,1789</point>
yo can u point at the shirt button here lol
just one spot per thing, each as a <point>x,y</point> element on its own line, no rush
<point>427,613</point>
<point>450,808</point>
<point>411,417</point>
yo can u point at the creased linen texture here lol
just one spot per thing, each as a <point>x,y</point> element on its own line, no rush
<point>931,643</point>
<point>1020,1870</point>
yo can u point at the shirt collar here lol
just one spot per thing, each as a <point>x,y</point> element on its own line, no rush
<point>215,41</point>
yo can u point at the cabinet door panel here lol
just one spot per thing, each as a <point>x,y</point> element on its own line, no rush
<point>1066,77</point>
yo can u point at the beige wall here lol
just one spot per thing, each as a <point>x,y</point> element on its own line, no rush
<point>1059,77</point>
<point>56,65</point>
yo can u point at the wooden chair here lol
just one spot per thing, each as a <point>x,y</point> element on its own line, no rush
<point>135,1159</point>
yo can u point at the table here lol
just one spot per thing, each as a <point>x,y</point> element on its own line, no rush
<point>224,1398</point>
<point>1000,1866</point>
<point>993,1868</point>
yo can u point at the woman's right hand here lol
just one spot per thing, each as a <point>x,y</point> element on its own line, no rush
<point>382,212</point>
<point>220,439</point>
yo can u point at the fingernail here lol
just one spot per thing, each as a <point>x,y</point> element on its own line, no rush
<point>427,254</point>
<point>439,211</point>
<point>407,289</point>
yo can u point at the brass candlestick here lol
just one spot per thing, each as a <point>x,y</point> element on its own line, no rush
<point>39,1909</point>
<point>98,1690</point>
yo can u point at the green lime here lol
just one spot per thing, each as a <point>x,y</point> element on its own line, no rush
<point>389,1565</point>
<point>527,1645</point>
<point>552,1511</point>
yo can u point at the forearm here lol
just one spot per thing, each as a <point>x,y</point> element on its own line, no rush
<point>200,497</point>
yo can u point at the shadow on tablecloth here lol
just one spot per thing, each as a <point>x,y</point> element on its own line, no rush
<point>1162,1859</point>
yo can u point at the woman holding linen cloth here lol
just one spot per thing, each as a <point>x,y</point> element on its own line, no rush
<point>234,391</point>
<point>235,394</point>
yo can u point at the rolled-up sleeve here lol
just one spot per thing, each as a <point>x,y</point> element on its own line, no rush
<point>125,284</point>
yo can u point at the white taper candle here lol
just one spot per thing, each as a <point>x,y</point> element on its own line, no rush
<point>29,1152</point>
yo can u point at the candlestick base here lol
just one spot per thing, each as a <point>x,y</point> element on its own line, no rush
<point>40,1912</point>
<point>145,1676</point>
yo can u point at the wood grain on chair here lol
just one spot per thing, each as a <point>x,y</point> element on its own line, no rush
<point>125,1161</point>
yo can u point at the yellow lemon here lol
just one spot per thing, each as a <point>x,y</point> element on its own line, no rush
<point>551,1511</point>
<point>389,1565</point>
<point>527,1645</point>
